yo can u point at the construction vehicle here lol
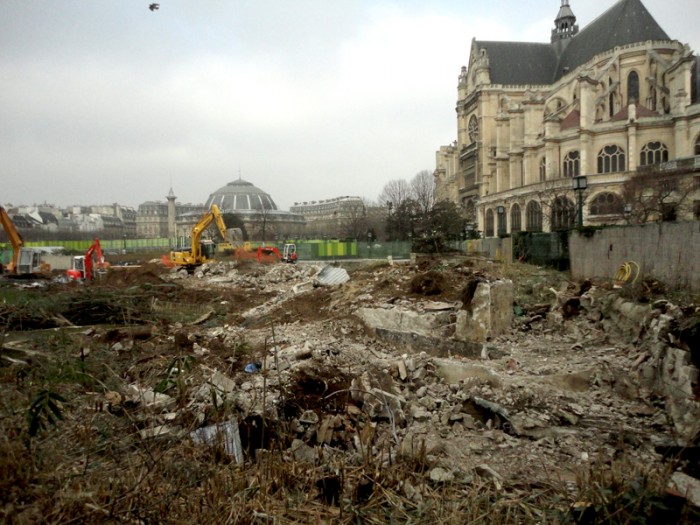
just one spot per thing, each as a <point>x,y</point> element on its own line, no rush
<point>26,262</point>
<point>202,251</point>
<point>289,255</point>
<point>268,254</point>
<point>83,267</point>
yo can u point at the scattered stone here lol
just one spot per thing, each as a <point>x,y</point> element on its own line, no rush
<point>686,486</point>
<point>440,475</point>
<point>158,431</point>
<point>303,452</point>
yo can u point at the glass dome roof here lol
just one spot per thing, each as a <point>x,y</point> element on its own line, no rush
<point>241,196</point>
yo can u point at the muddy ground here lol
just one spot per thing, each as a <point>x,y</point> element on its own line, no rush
<point>109,387</point>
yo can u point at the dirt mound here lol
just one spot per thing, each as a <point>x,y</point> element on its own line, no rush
<point>429,283</point>
<point>149,273</point>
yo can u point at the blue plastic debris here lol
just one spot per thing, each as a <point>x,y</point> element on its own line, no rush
<point>252,368</point>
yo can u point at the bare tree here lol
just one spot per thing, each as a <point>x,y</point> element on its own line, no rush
<point>264,226</point>
<point>354,225</point>
<point>654,195</point>
<point>395,193</point>
<point>559,205</point>
<point>423,190</point>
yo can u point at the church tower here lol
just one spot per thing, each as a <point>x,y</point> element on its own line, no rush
<point>565,27</point>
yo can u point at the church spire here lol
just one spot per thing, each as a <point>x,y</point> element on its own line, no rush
<point>565,26</point>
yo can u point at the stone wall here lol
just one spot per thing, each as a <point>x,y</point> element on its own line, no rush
<point>667,251</point>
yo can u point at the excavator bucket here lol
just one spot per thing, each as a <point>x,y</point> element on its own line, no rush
<point>166,261</point>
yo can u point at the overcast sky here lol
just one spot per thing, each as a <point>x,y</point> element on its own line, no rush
<point>104,101</point>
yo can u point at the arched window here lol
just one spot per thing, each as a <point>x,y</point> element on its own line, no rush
<point>572,163</point>
<point>469,209</point>
<point>489,224</point>
<point>473,129</point>
<point>543,169</point>
<point>653,153</point>
<point>697,145</point>
<point>534,217</point>
<point>633,88</point>
<point>606,204</point>
<point>611,159</point>
<point>515,218</point>
<point>563,214</point>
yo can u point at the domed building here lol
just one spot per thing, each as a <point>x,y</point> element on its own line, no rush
<point>256,209</point>
<point>243,197</point>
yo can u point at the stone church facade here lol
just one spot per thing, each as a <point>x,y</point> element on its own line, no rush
<point>598,106</point>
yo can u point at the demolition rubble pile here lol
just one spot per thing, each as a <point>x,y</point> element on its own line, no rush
<point>444,361</point>
<point>465,369</point>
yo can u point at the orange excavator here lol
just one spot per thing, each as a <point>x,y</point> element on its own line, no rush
<point>26,262</point>
<point>83,266</point>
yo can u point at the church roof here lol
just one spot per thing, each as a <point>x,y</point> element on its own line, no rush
<point>522,63</point>
<point>572,120</point>
<point>626,22</point>
<point>623,114</point>
<point>519,62</point>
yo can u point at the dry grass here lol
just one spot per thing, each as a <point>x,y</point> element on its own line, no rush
<point>93,467</point>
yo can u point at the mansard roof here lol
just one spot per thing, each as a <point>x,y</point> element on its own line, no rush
<point>522,63</point>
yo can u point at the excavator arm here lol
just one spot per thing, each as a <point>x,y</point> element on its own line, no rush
<point>94,249</point>
<point>203,224</point>
<point>219,221</point>
<point>14,237</point>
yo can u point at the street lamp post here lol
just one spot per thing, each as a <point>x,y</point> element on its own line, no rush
<point>579,185</point>
<point>501,223</point>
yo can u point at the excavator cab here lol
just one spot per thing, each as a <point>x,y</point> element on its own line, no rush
<point>290,253</point>
<point>208,249</point>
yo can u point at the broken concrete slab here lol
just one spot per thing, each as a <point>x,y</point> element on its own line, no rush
<point>428,332</point>
<point>454,372</point>
<point>490,312</point>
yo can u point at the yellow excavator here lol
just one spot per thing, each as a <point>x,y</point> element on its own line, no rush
<point>26,262</point>
<point>201,251</point>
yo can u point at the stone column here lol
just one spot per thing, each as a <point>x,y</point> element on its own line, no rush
<point>172,229</point>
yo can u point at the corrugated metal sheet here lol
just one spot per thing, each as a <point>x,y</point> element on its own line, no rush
<point>331,275</point>
<point>225,433</point>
